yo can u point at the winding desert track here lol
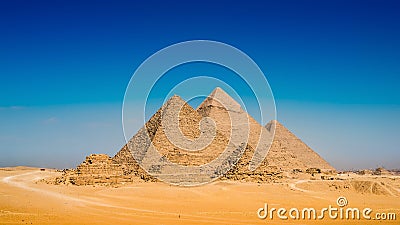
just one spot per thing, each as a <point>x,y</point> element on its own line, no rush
<point>25,180</point>
<point>294,187</point>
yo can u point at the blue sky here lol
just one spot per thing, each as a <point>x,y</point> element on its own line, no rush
<point>64,65</point>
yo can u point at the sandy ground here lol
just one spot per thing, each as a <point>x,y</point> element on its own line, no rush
<point>23,200</point>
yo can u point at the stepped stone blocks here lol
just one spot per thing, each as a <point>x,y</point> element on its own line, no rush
<point>97,169</point>
<point>186,146</point>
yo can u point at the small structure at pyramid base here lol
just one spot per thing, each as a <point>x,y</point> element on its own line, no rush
<point>287,154</point>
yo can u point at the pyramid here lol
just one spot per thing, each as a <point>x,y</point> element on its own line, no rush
<point>288,152</point>
<point>173,135</point>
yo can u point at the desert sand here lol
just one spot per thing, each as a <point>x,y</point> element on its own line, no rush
<point>25,199</point>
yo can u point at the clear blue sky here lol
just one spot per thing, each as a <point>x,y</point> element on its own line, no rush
<point>334,68</point>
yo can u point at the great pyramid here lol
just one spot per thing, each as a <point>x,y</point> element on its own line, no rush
<point>173,135</point>
<point>219,132</point>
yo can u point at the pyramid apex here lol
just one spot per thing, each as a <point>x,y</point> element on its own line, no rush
<point>216,90</point>
<point>174,101</point>
<point>219,92</point>
<point>219,98</point>
<point>273,122</point>
<point>175,98</point>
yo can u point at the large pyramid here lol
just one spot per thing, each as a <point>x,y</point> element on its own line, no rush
<point>179,134</point>
<point>173,134</point>
<point>162,128</point>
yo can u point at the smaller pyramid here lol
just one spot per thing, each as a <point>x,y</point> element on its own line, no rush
<point>97,169</point>
<point>288,152</point>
